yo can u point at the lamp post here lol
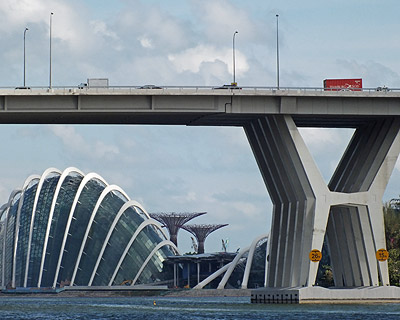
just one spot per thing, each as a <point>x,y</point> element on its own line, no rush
<point>51,21</point>
<point>234,60</point>
<point>26,29</point>
<point>277,51</point>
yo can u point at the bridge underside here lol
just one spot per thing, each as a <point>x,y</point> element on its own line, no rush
<point>348,211</point>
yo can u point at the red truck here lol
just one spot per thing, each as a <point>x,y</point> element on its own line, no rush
<point>343,84</point>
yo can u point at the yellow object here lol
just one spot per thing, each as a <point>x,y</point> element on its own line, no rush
<point>154,303</point>
<point>315,255</point>
<point>382,255</point>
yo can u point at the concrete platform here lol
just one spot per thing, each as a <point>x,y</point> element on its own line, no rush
<point>326,295</point>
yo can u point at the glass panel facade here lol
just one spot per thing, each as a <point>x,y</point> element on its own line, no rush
<point>86,203</point>
<point>153,272</point>
<point>52,221</point>
<point>123,232</point>
<point>10,238</point>
<point>23,236</point>
<point>2,238</point>
<point>61,212</point>
<point>101,224</point>
<point>39,228</point>
<point>141,248</point>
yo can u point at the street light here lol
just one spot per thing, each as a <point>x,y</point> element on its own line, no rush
<point>277,51</point>
<point>26,29</point>
<point>234,61</point>
<point>51,21</point>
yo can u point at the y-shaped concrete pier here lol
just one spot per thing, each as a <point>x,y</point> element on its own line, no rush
<point>348,210</point>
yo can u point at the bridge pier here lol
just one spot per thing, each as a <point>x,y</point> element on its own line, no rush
<point>348,211</point>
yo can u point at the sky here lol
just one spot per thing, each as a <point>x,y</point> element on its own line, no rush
<point>187,42</point>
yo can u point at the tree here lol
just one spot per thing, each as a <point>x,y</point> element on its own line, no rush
<point>392,232</point>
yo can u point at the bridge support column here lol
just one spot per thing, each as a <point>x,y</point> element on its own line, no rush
<point>348,211</point>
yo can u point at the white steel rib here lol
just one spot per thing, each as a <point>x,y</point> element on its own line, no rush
<point>33,214</point>
<point>133,238</point>
<point>21,200</point>
<point>250,257</point>
<point>106,191</point>
<point>8,205</point>
<point>215,275</point>
<point>83,183</point>
<point>157,247</point>
<point>64,175</point>
<point>129,204</point>
<point>232,267</point>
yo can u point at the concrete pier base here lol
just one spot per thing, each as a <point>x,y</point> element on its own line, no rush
<point>381,294</point>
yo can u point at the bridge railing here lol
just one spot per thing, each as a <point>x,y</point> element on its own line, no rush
<point>183,89</point>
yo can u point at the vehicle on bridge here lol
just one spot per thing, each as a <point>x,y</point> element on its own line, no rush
<point>95,83</point>
<point>343,84</point>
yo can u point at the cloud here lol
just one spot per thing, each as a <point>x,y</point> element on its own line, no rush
<point>318,138</point>
<point>18,13</point>
<point>100,27</point>
<point>326,146</point>
<point>75,143</point>
<point>220,19</point>
<point>149,22</point>
<point>145,42</point>
<point>374,74</point>
<point>191,59</point>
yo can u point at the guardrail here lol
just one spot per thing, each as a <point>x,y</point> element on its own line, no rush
<point>196,88</point>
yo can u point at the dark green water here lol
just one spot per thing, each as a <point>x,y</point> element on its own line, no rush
<point>183,308</point>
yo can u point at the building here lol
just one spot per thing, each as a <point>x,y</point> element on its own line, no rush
<point>68,228</point>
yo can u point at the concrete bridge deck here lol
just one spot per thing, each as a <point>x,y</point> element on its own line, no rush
<point>309,107</point>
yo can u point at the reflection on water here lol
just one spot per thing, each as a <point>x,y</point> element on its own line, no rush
<point>182,308</point>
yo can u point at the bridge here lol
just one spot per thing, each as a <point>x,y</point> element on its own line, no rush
<point>348,211</point>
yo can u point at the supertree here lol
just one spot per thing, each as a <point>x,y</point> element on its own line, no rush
<point>173,221</point>
<point>201,232</point>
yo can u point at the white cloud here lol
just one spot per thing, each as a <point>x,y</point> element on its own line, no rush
<point>318,138</point>
<point>75,143</point>
<point>19,13</point>
<point>374,74</point>
<point>191,59</point>
<point>23,13</point>
<point>100,27</point>
<point>327,146</point>
<point>69,137</point>
<point>220,19</point>
<point>145,42</point>
<point>146,21</point>
<point>103,150</point>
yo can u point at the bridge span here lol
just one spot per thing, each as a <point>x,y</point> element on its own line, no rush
<point>309,107</point>
<point>347,211</point>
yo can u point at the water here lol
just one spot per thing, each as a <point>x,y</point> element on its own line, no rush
<point>183,308</point>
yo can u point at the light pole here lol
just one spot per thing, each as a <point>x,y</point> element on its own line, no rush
<point>277,51</point>
<point>234,60</point>
<point>51,21</point>
<point>26,29</point>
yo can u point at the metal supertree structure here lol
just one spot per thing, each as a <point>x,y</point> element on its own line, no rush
<point>201,232</point>
<point>173,221</point>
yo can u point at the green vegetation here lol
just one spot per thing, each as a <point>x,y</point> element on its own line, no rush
<point>392,233</point>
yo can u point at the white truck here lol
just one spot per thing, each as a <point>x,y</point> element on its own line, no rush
<point>95,83</point>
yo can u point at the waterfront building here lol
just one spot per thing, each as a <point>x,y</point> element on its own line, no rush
<point>68,228</point>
